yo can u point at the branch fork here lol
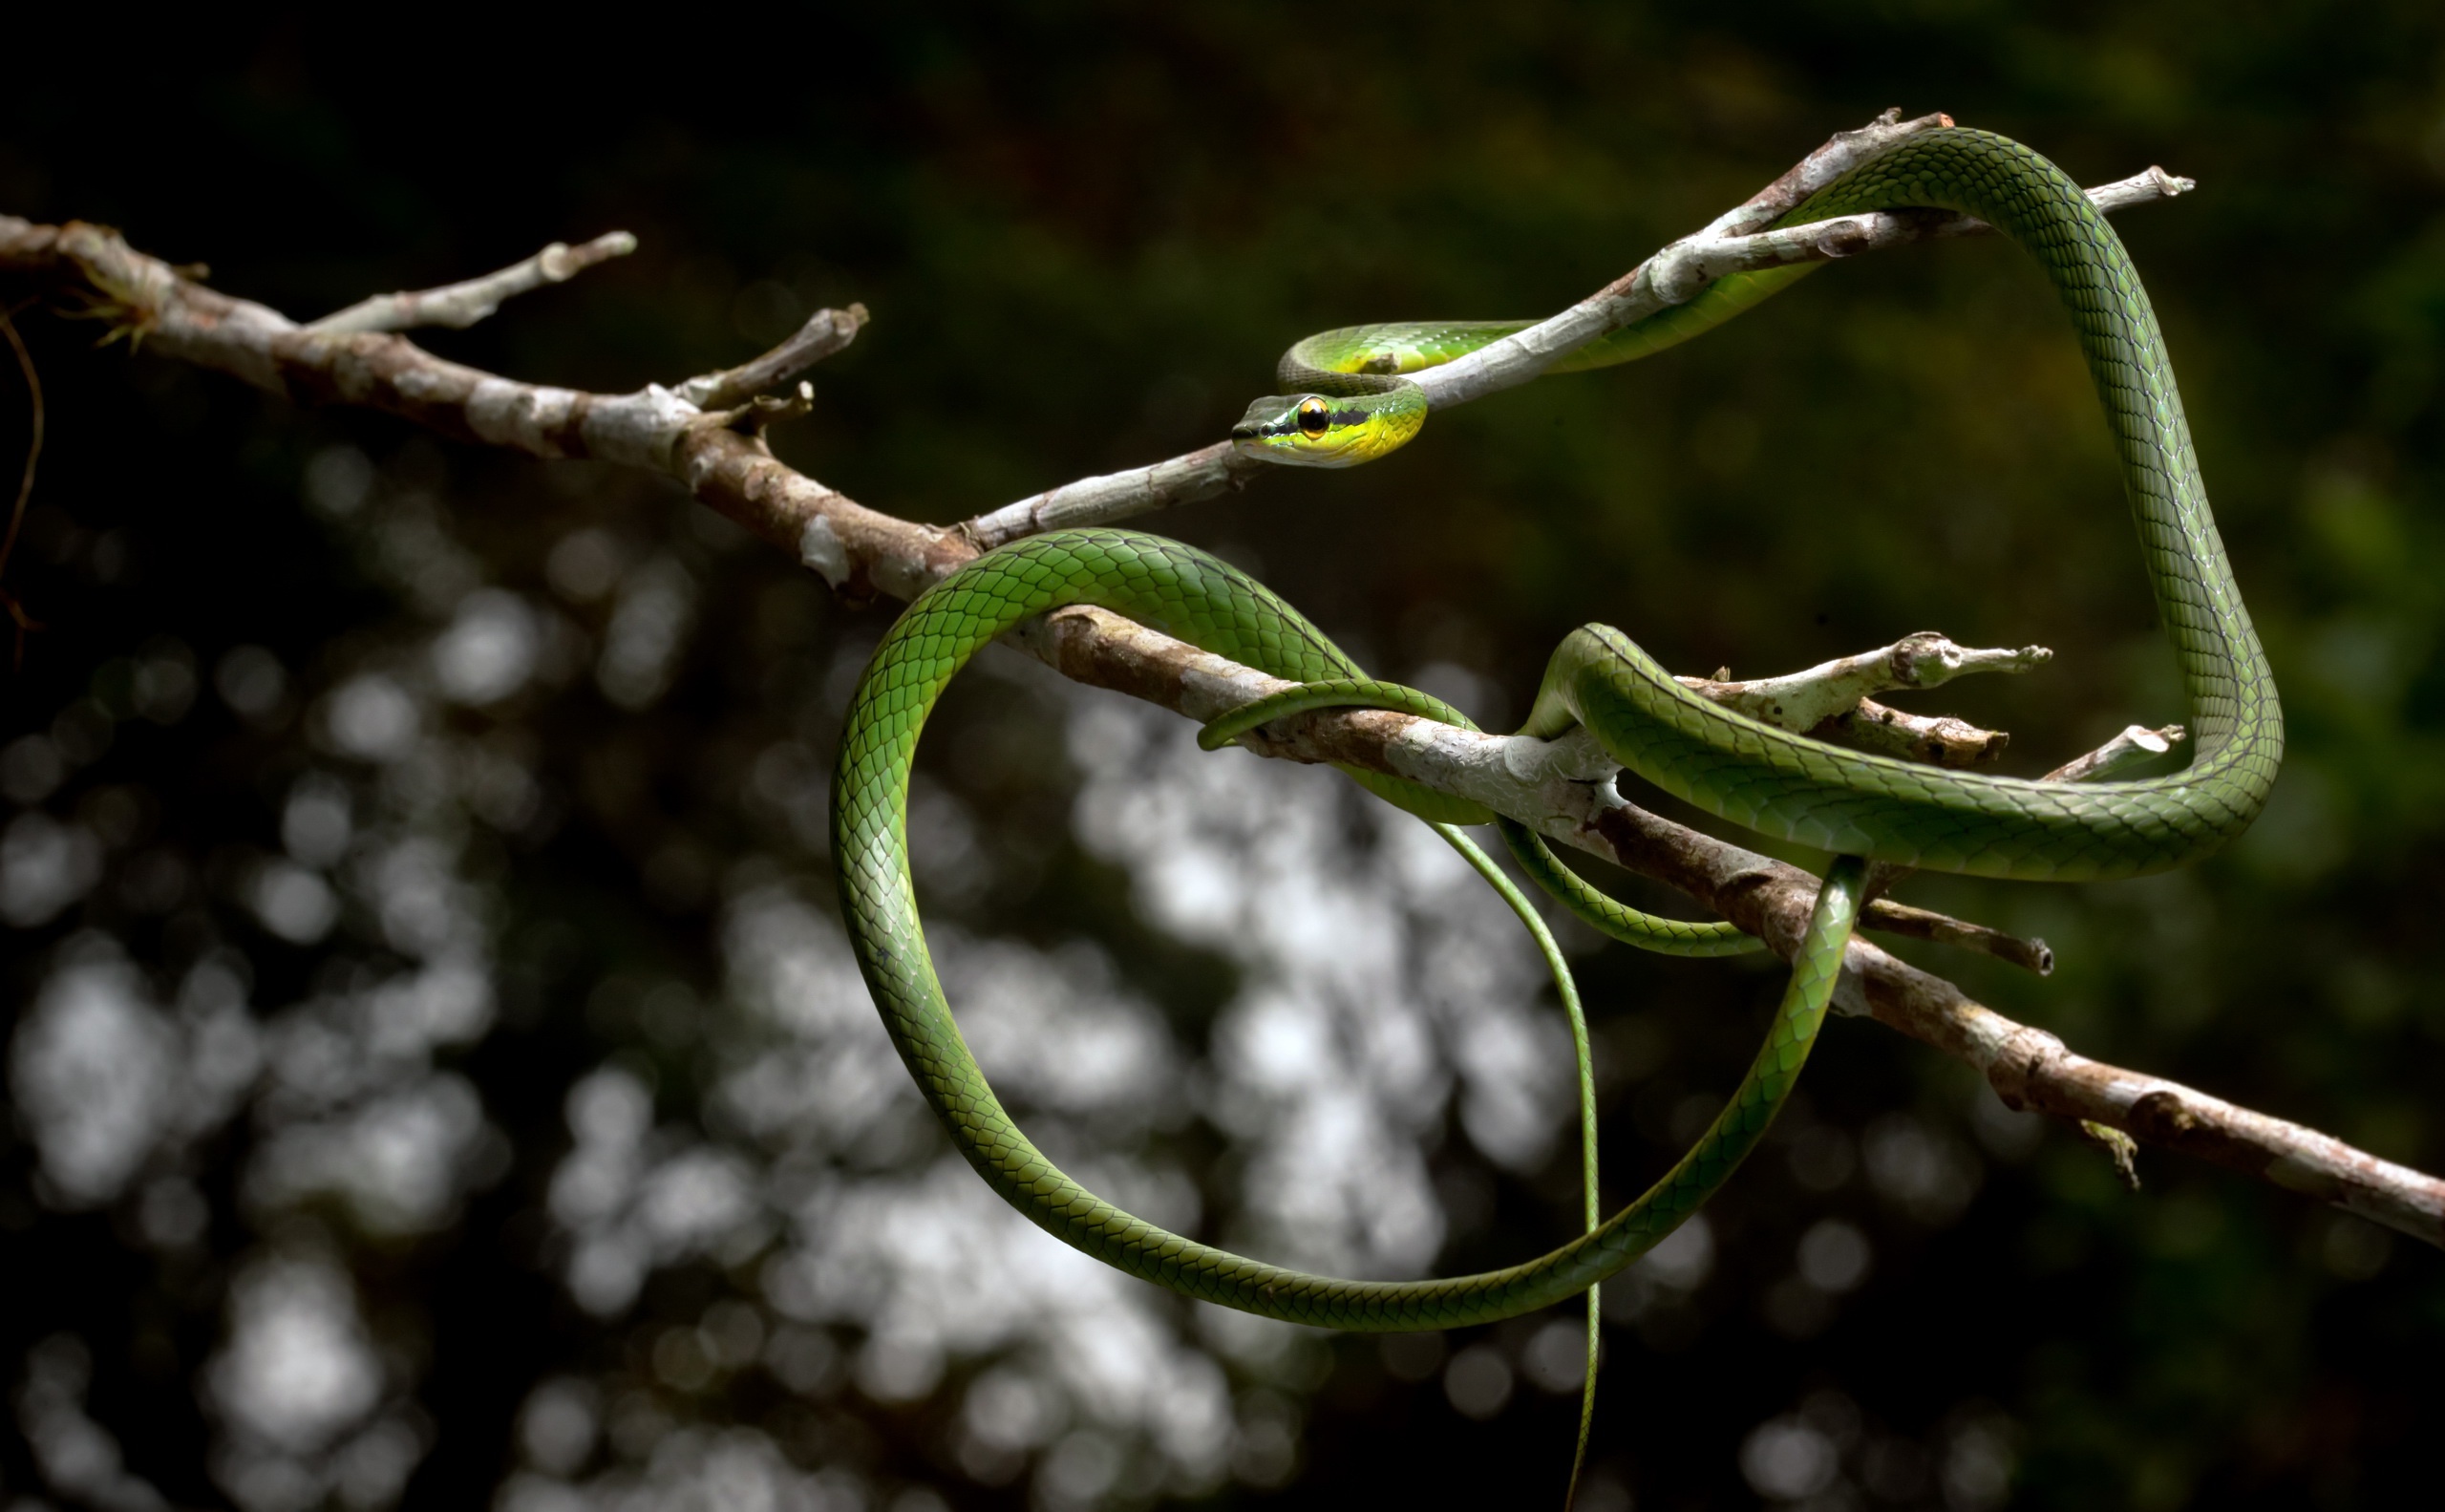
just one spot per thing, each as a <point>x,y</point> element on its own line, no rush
<point>1832,700</point>
<point>826,332</point>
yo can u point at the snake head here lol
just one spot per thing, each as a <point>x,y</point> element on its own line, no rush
<point>1312,430</point>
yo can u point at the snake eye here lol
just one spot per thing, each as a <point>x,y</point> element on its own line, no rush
<point>1314,421</point>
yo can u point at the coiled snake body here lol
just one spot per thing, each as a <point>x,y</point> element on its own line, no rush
<point>1857,806</point>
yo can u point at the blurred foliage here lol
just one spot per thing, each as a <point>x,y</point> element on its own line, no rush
<point>1085,232</point>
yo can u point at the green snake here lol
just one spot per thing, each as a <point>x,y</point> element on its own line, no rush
<point>1857,806</point>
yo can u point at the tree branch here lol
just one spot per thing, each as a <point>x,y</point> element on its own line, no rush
<point>826,332</point>
<point>1564,788</point>
<point>1803,700</point>
<point>2135,744</point>
<point>1831,700</point>
<point>462,305</point>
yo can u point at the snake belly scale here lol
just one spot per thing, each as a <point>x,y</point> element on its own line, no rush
<point>1857,806</point>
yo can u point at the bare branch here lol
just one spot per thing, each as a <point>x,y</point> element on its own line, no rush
<point>1564,788</point>
<point>1803,700</point>
<point>1830,700</point>
<point>826,332</point>
<point>1938,739</point>
<point>2145,187</point>
<point>1888,917</point>
<point>2135,744</point>
<point>1201,474</point>
<point>462,305</point>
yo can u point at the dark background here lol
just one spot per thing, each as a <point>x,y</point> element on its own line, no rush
<point>1084,233</point>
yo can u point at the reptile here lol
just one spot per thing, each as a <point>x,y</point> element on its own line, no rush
<point>1353,404</point>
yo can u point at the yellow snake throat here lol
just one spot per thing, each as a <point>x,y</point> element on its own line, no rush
<point>1855,804</point>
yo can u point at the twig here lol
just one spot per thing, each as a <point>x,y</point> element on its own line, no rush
<point>1201,474</point>
<point>1803,700</point>
<point>2135,744</point>
<point>1564,788</point>
<point>462,305</point>
<point>2144,187</point>
<point>1831,700</point>
<point>826,332</point>
<point>1937,740</point>
<point>22,621</point>
<point>1885,915</point>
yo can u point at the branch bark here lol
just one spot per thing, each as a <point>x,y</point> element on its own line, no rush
<point>1564,787</point>
<point>2135,744</point>
<point>463,305</point>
